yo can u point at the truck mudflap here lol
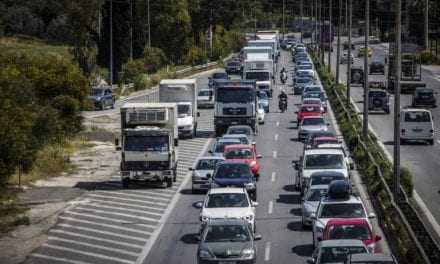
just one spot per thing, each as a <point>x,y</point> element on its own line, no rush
<point>167,176</point>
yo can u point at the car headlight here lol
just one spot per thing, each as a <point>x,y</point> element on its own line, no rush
<point>204,254</point>
<point>248,253</point>
<point>249,217</point>
<point>204,218</point>
<point>252,163</point>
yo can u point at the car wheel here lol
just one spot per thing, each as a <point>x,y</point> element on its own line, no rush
<point>402,141</point>
<point>431,142</point>
<point>169,182</point>
<point>102,106</point>
<point>125,183</point>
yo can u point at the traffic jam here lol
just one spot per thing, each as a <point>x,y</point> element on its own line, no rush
<point>341,226</point>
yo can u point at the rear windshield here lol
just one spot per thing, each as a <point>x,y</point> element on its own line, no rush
<point>310,108</point>
<point>238,154</point>
<point>377,94</point>
<point>220,75</point>
<point>313,122</point>
<point>360,232</point>
<point>303,80</point>
<point>417,116</point>
<point>207,164</point>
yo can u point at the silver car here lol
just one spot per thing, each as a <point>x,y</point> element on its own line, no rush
<point>204,166</point>
<point>219,146</point>
<point>310,203</point>
<point>311,124</point>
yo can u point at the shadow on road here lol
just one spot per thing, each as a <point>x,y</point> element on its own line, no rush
<point>289,198</point>
<point>296,211</point>
<point>190,238</point>
<point>303,250</point>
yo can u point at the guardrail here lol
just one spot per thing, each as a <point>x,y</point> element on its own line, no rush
<point>402,225</point>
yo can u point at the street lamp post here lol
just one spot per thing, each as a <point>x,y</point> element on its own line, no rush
<point>301,14</point>
<point>366,88</point>
<point>148,22</point>
<point>111,42</point>
<point>330,35</point>
<point>398,63</point>
<point>350,20</point>
<point>426,24</point>
<point>338,51</point>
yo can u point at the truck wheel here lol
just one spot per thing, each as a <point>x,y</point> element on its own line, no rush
<point>169,182</point>
<point>402,141</point>
<point>218,131</point>
<point>125,183</point>
<point>431,141</point>
<point>174,175</point>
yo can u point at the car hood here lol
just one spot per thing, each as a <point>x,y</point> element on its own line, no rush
<point>314,128</point>
<point>203,98</point>
<point>230,212</point>
<point>310,206</point>
<point>226,249</point>
<point>308,173</point>
<point>185,121</point>
<point>202,173</point>
<point>236,181</point>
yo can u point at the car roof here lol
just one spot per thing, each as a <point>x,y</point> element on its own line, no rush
<point>341,243</point>
<point>234,136</point>
<point>414,110</point>
<point>323,151</point>
<point>424,89</point>
<point>366,257</point>
<point>324,138</point>
<point>326,173</point>
<point>319,187</point>
<point>227,221</point>
<point>226,190</point>
<point>350,200</point>
<point>238,146</point>
<point>210,158</point>
<point>348,221</point>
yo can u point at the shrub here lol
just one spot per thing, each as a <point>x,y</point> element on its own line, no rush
<point>196,56</point>
<point>154,59</point>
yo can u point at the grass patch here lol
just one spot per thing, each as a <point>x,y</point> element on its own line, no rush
<point>32,46</point>
<point>11,215</point>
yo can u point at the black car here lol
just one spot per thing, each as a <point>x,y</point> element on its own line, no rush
<point>227,241</point>
<point>357,75</point>
<point>424,97</point>
<point>377,67</point>
<point>345,45</point>
<point>378,100</point>
<point>217,76</point>
<point>233,67</point>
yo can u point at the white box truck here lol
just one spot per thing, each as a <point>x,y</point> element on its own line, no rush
<point>260,70</point>
<point>148,143</point>
<point>183,92</point>
<point>266,43</point>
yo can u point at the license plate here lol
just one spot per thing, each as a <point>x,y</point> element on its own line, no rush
<point>417,130</point>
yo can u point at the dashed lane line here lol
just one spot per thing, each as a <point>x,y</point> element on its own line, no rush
<point>267,252</point>
<point>276,137</point>
<point>275,154</point>
<point>270,207</point>
<point>273,177</point>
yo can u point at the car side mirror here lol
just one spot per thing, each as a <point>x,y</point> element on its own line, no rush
<point>118,148</point>
<point>372,216</point>
<point>258,237</point>
<point>198,114</point>
<point>190,169</point>
<point>259,156</point>
<point>377,238</point>
<point>313,216</point>
<point>296,112</point>
<point>254,204</point>
<point>210,151</point>
<point>198,205</point>
<point>328,124</point>
<point>254,143</point>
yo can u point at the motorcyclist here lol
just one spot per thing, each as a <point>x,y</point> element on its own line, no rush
<point>283,75</point>
<point>282,101</point>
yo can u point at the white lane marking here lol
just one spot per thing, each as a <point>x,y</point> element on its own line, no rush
<point>169,209</point>
<point>267,252</point>
<point>274,154</point>
<point>126,199</point>
<point>116,242</point>
<point>70,219</point>
<point>438,141</point>
<point>93,210</point>
<point>142,240</point>
<point>144,196</point>
<point>270,209</point>
<point>100,205</point>
<point>276,137</point>
<point>121,251</point>
<point>274,175</point>
<point>435,225</point>
<point>95,255</point>
<point>42,256</point>
<point>278,124</point>
<point>117,222</point>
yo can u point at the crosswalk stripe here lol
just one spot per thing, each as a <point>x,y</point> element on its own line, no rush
<point>101,232</point>
<point>127,199</point>
<point>114,213</point>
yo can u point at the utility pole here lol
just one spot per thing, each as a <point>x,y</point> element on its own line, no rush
<point>321,16</point>
<point>330,35</point>
<point>426,24</point>
<point>350,20</point>
<point>338,51</point>
<point>366,88</point>
<point>255,19</point>
<point>315,41</point>
<point>130,2</point>
<point>111,42</point>
<point>284,17</point>
<point>398,65</point>
<point>149,24</point>
<point>346,15</point>
<point>302,15</point>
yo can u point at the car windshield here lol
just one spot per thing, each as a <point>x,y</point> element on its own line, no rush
<point>238,154</point>
<point>339,254</point>
<point>305,67</point>
<point>239,130</point>
<point>325,179</point>
<point>225,200</point>
<point>205,93</point>
<point>312,101</point>
<point>310,108</point>
<point>313,95</point>
<point>233,64</point>
<point>425,93</point>
<point>140,143</point>
<point>235,95</point>
<point>360,232</point>
<point>420,116</point>
<point>227,233</point>
<point>262,95</point>
<point>232,171</point>
<point>377,94</point>
<point>324,161</point>
<point>207,164</point>
<point>325,141</point>
<point>97,92</point>
<point>243,139</point>
<point>313,121</point>
<point>184,110</point>
<point>312,89</point>
<point>342,210</point>
<point>314,195</point>
<point>220,146</point>
<point>303,80</point>
<point>259,76</point>
<point>220,75</point>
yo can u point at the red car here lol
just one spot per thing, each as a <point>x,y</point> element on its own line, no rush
<point>308,110</point>
<point>360,229</point>
<point>244,152</point>
<point>324,140</point>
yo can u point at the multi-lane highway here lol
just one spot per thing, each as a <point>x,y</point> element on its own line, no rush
<point>422,159</point>
<point>152,225</point>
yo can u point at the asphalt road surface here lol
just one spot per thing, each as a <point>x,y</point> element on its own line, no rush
<point>422,159</point>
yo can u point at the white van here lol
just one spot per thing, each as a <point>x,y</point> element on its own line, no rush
<point>416,124</point>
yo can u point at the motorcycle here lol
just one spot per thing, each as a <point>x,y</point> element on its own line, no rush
<point>283,77</point>
<point>282,105</point>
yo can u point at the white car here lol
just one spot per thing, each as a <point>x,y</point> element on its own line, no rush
<point>338,204</point>
<point>305,73</point>
<point>204,166</point>
<point>260,113</point>
<point>310,203</point>
<point>416,124</point>
<point>336,250</point>
<point>311,124</point>
<point>319,160</point>
<point>228,203</point>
